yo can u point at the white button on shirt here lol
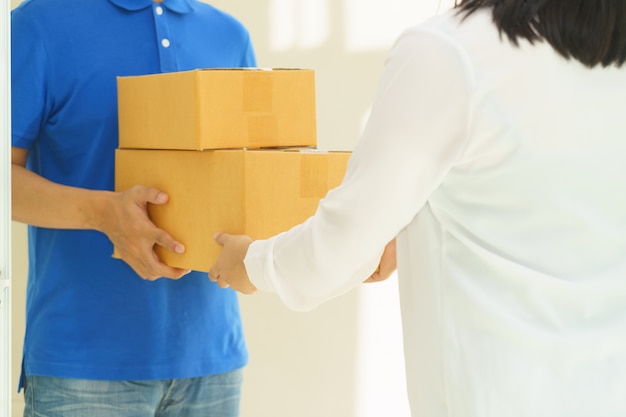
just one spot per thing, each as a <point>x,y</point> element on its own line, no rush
<point>165,43</point>
<point>501,170</point>
<point>159,10</point>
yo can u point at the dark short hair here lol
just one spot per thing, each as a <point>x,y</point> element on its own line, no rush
<point>590,31</point>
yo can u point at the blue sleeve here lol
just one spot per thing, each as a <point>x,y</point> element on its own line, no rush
<point>28,79</point>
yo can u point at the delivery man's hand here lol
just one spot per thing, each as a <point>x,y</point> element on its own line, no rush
<point>387,265</point>
<point>123,217</point>
<point>128,226</point>
<point>229,270</point>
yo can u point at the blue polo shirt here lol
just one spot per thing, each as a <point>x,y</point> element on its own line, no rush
<point>88,315</point>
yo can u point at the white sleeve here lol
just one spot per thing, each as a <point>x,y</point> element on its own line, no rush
<point>416,131</point>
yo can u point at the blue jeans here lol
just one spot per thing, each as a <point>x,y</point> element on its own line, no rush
<point>211,396</point>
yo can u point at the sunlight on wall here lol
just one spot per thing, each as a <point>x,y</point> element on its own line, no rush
<point>381,382</point>
<point>301,24</point>
<point>375,24</point>
<point>369,24</point>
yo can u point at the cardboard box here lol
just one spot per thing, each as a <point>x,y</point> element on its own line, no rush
<point>260,193</point>
<point>218,109</point>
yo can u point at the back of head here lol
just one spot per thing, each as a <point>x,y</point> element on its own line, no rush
<point>590,31</point>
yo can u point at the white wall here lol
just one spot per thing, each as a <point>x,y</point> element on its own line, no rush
<point>345,358</point>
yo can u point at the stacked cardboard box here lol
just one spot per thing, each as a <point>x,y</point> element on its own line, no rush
<point>233,148</point>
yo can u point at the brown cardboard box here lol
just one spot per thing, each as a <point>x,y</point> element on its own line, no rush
<point>259,193</point>
<point>218,109</point>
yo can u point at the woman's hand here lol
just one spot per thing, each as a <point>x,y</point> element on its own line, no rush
<point>387,265</point>
<point>229,270</point>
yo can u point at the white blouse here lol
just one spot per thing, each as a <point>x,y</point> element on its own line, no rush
<point>502,171</point>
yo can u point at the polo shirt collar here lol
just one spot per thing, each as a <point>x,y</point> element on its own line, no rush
<point>178,6</point>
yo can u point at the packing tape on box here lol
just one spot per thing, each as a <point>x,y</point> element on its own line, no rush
<point>258,103</point>
<point>258,93</point>
<point>261,127</point>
